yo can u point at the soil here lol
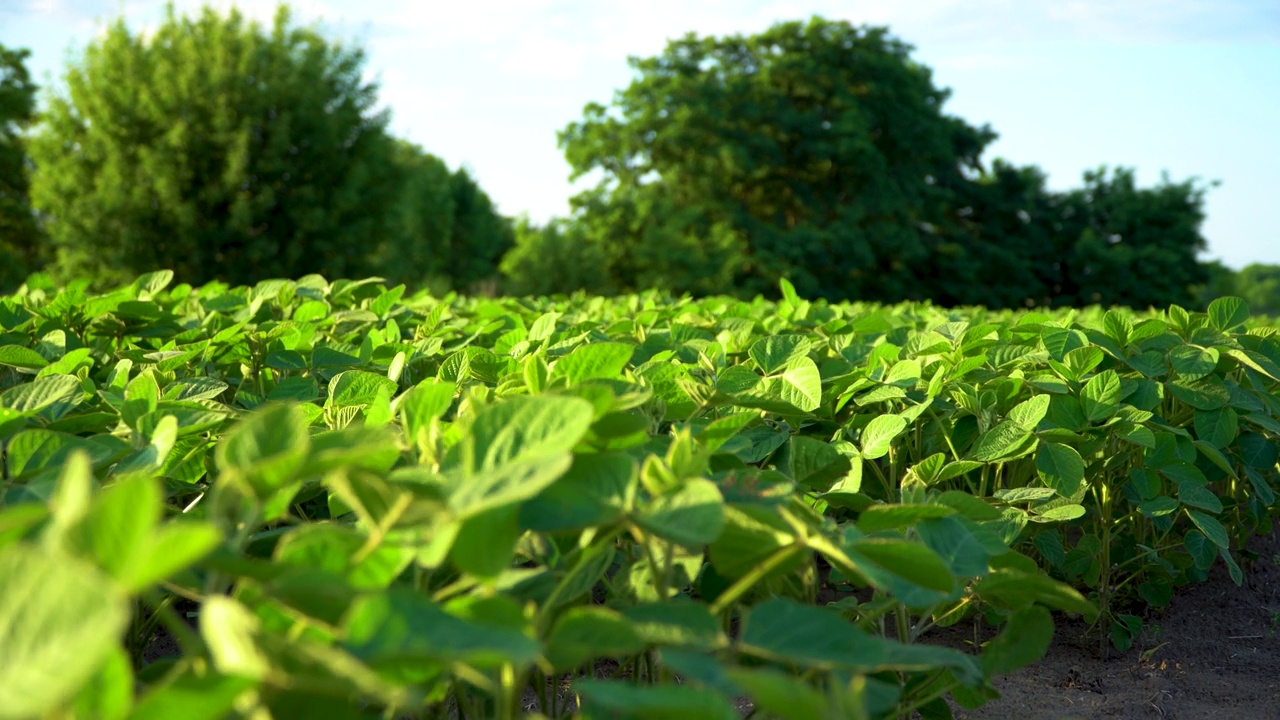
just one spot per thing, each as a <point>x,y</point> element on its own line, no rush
<point>1214,652</point>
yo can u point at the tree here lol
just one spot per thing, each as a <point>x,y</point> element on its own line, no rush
<point>997,239</point>
<point>480,235</point>
<point>815,151</point>
<point>215,147</point>
<point>20,237</point>
<point>445,231</point>
<point>1118,244</point>
<point>1259,285</point>
<point>552,259</point>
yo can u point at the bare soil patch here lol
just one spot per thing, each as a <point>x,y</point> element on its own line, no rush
<point>1213,653</point>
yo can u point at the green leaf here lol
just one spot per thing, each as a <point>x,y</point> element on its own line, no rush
<point>341,550</point>
<point>20,357</point>
<point>781,695</point>
<point>172,548</point>
<point>1217,427</point>
<point>1082,360</point>
<point>1029,413</point>
<point>594,360</point>
<point>1117,326</point>
<point>1059,513</point>
<point>1060,467</point>
<point>896,517</point>
<point>60,619</point>
<point>814,637</point>
<point>1156,507</point>
<point>1202,551</point>
<point>512,483</point>
<point>878,435</point>
<point>801,384</point>
<point>1206,394</point>
<point>1226,313</point>
<point>192,696</point>
<point>717,432</point>
<point>231,630</point>
<point>775,352</point>
<point>109,693</point>
<point>1023,639</point>
<point>1198,495</point>
<point>1193,362</point>
<point>693,516</point>
<point>676,623</point>
<point>357,387</point>
<point>815,463</point>
<point>1100,397</point>
<point>737,379</point>
<point>428,400</point>
<point>151,457</point>
<point>955,542</point>
<point>583,634</point>
<point>1211,527</point>
<point>618,700</point>
<point>402,626</point>
<point>1260,486</point>
<point>1258,451</point>
<point>118,526</point>
<point>1016,590</point>
<point>976,509</point>
<point>140,397</point>
<point>55,394</point>
<point>1005,440</point>
<point>910,561</point>
<point>592,493</point>
<point>523,428</point>
<point>266,448</point>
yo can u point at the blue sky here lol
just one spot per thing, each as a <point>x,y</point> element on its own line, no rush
<point>1191,87</point>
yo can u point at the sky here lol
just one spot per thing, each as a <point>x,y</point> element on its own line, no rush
<point>1185,87</point>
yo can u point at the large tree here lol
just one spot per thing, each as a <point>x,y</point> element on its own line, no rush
<point>816,151</point>
<point>216,147</point>
<point>1258,284</point>
<point>445,230</point>
<point>820,152</point>
<point>1118,244</point>
<point>20,239</point>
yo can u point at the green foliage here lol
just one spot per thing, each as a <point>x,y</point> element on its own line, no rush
<point>378,505</point>
<point>555,258</point>
<point>813,151</point>
<point>215,147</point>
<point>1257,284</point>
<point>444,228</point>
<point>21,243</point>
<point>1118,244</point>
<point>819,153</point>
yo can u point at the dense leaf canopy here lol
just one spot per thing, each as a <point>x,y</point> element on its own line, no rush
<point>814,151</point>
<point>444,229</point>
<point>820,152</point>
<point>20,242</point>
<point>216,147</point>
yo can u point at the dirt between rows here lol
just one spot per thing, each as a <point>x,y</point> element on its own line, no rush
<point>1214,652</point>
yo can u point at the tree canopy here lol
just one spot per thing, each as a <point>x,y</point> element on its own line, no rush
<point>821,152</point>
<point>215,147</point>
<point>20,238</point>
<point>820,147</point>
<point>444,229</point>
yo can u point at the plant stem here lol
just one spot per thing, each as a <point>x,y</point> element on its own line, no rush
<point>755,575</point>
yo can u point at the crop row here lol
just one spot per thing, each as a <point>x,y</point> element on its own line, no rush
<point>343,501</point>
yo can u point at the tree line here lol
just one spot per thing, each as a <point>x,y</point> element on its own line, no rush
<point>816,151</point>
